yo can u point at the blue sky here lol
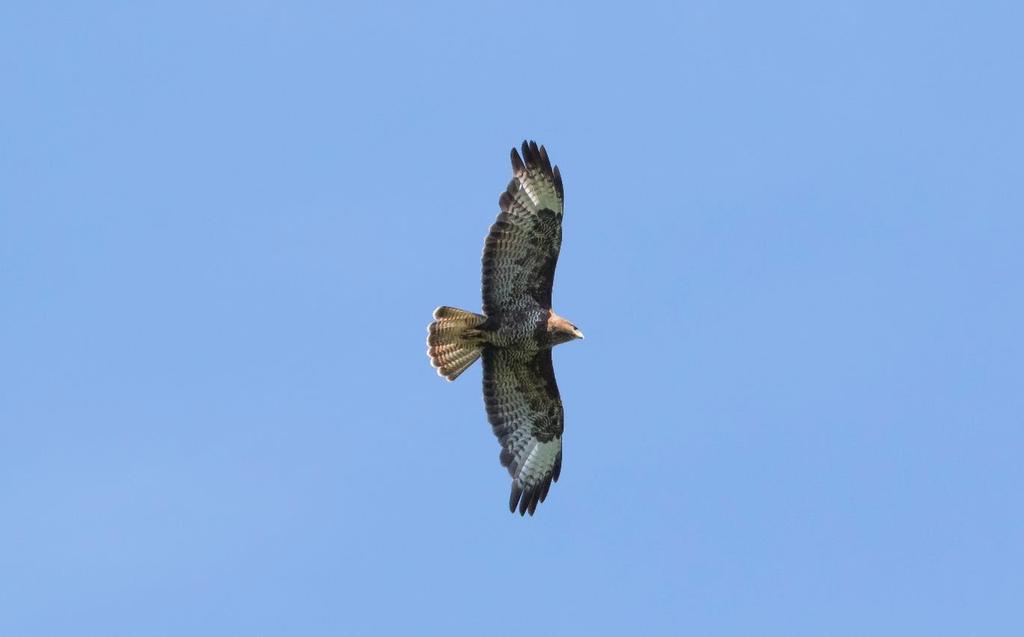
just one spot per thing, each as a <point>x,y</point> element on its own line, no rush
<point>792,237</point>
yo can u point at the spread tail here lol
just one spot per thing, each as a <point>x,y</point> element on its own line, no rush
<point>453,340</point>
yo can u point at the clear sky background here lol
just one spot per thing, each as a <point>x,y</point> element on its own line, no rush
<point>793,239</point>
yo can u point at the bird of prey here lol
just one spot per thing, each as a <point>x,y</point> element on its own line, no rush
<point>517,329</point>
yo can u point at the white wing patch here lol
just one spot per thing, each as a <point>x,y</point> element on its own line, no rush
<point>538,462</point>
<point>540,191</point>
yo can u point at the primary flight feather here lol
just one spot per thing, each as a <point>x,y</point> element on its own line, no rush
<point>517,329</point>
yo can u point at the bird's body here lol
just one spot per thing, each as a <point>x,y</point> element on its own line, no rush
<point>527,330</point>
<point>521,330</point>
<point>517,330</point>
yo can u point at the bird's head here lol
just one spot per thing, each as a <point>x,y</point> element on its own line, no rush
<point>561,330</point>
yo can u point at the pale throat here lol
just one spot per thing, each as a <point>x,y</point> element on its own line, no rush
<point>562,328</point>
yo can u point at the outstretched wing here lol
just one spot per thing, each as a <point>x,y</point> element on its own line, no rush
<point>525,411</point>
<point>521,250</point>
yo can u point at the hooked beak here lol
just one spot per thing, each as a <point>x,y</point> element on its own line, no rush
<point>577,334</point>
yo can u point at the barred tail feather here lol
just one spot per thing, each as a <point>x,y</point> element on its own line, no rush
<point>453,340</point>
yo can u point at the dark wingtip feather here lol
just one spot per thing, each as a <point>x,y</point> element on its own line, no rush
<point>558,182</point>
<point>524,503</point>
<point>517,162</point>
<point>527,154</point>
<point>544,489</point>
<point>545,162</point>
<point>534,498</point>
<point>513,499</point>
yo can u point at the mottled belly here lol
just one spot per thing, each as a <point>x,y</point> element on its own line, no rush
<point>521,332</point>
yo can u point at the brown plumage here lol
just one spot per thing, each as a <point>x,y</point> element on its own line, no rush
<point>518,328</point>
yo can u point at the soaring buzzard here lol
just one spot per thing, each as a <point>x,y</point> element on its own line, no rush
<point>517,330</point>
